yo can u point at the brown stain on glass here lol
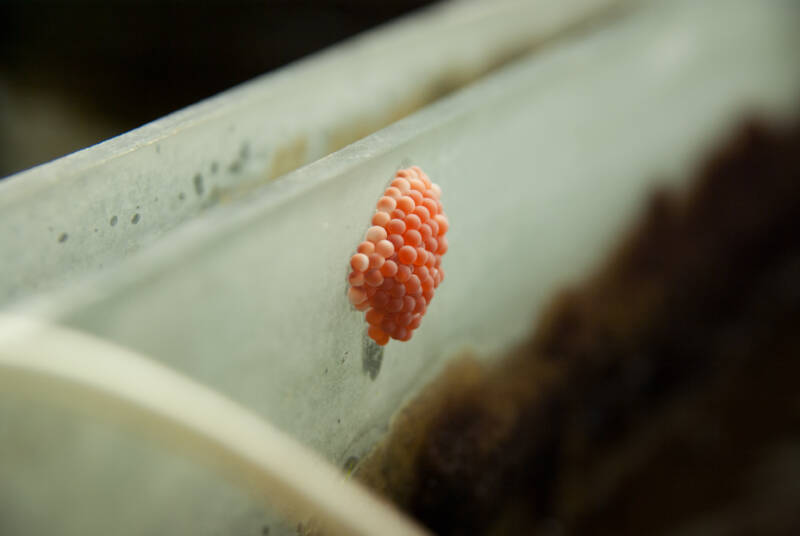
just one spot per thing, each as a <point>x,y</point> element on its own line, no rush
<point>649,395</point>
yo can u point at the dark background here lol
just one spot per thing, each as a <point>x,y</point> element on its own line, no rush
<point>75,73</point>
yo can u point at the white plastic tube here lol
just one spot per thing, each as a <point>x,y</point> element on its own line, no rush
<point>67,366</point>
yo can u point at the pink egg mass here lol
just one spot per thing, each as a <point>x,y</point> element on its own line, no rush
<point>398,265</point>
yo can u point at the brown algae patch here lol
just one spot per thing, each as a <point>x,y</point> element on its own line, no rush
<point>664,381</point>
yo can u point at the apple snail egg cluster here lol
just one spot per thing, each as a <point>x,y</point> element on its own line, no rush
<point>399,264</point>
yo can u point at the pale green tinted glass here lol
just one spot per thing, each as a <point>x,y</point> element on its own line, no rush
<point>92,209</point>
<point>541,165</point>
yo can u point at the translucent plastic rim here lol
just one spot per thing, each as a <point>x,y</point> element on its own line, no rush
<point>72,368</point>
